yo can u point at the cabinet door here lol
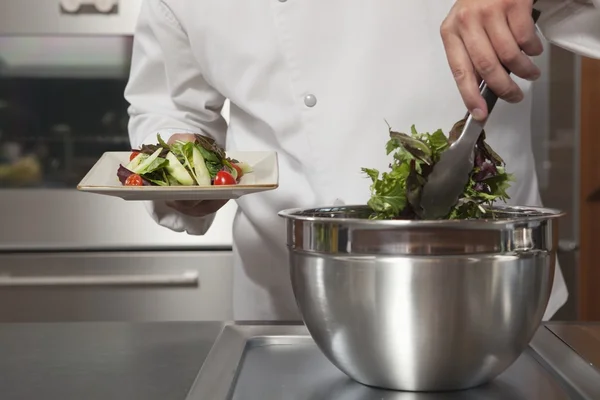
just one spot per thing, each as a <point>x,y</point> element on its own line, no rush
<point>117,286</point>
<point>555,141</point>
<point>589,204</point>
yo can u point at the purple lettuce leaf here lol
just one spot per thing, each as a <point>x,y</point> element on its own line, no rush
<point>123,173</point>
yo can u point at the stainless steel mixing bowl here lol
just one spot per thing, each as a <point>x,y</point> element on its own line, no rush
<point>422,305</point>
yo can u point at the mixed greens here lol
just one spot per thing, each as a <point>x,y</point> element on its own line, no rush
<point>201,162</point>
<point>396,194</point>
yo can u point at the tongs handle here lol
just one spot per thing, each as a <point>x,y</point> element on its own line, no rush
<point>487,94</point>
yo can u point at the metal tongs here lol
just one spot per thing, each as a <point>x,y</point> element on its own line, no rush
<point>450,174</point>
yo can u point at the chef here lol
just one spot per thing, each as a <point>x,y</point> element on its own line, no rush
<point>316,82</point>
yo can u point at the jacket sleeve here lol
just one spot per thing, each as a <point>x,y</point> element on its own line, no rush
<point>168,94</point>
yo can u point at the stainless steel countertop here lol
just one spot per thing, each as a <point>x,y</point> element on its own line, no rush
<point>114,360</point>
<point>108,361</point>
<point>584,339</point>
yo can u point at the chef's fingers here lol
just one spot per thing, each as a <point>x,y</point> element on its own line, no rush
<point>486,62</point>
<point>523,28</point>
<point>197,208</point>
<point>181,137</point>
<point>507,49</point>
<point>462,70</point>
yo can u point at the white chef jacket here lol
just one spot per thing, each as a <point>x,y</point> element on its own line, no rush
<point>314,81</point>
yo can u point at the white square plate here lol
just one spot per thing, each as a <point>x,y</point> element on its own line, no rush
<point>102,179</point>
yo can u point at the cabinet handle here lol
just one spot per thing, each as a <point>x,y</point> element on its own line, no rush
<point>187,279</point>
<point>567,246</point>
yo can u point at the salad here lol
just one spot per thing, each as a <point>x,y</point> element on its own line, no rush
<point>396,194</point>
<point>199,163</point>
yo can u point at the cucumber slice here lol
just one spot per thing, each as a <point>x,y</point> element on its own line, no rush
<point>202,174</point>
<point>141,168</point>
<point>178,171</point>
<point>245,167</point>
<point>137,160</point>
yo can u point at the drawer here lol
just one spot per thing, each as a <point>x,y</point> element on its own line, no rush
<point>116,286</point>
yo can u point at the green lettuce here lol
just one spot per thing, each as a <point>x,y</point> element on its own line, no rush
<point>396,194</point>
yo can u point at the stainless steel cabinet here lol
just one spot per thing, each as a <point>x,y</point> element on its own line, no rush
<point>69,17</point>
<point>116,286</point>
<point>75,256</point>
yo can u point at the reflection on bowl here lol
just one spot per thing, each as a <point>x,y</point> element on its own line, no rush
<point>347,389</point>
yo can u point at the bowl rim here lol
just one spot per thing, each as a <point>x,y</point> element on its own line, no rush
<point>539,214</point>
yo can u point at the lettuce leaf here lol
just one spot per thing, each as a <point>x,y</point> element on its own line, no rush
<point>396,194</point>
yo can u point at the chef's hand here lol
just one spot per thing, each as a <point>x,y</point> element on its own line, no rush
<point>193,208</point>
<point>478,36</point>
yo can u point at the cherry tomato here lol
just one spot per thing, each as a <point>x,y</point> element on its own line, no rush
<point>239,171</point>
<point>134,180</point>
<point>133,155</point>
<point>224,178</point>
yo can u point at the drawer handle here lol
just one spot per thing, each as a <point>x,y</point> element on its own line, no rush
<point>567,246</point>
<point>187,279</point>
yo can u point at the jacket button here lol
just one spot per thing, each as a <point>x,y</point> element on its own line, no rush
<point>310,100</point>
